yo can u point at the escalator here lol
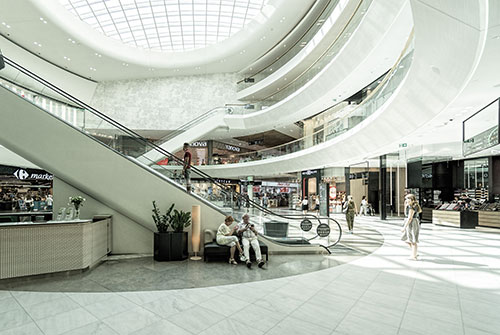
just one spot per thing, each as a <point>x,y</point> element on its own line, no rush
<point>85,156</point>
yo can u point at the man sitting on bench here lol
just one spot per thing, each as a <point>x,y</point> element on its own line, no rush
<point>249,237</point>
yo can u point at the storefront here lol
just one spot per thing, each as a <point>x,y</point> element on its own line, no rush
<point>280,194</point>
<point>445,189</point>
<point>24,190</point>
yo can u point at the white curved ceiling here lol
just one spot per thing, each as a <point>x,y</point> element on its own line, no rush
<point>64,40</point>
<point>166,25</point>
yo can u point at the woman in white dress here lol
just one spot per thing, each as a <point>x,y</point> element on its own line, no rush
<point>225,237</point>
<point>411,226</point>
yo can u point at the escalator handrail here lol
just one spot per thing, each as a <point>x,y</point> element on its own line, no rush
<point>165,152</point>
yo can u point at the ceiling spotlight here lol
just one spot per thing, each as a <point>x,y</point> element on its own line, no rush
<point>124,64</point>
<point>37,44</point>
<point>93,69</point>
<point>67,58</point>
<point>98,55</point>
<point>43,20</point>
<point>5,24</point>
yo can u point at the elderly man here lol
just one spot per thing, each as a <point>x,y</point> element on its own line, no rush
<point>249,237</point>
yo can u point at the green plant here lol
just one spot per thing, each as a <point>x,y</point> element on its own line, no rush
<point>162,221</point>
<point>77,201</point>
<point>180,220</point>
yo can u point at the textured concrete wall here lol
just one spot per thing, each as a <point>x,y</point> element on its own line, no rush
<point>164,103</point>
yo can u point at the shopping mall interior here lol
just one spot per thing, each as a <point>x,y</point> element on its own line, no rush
<point>249,167</point>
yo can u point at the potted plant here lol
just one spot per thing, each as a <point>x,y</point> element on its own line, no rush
<point>179,238</point>
<point>162,237</point>
<point>170,245</point>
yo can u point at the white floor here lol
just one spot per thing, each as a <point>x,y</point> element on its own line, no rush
<point>453,289</point>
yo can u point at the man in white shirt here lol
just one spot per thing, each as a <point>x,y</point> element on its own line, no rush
<point>249,237</point>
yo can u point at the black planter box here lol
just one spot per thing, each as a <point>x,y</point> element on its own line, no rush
<point>170,246</point>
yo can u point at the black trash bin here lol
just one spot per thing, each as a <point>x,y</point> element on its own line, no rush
<point>276,229</point>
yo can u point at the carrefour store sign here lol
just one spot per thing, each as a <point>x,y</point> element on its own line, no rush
<point>22,174</point>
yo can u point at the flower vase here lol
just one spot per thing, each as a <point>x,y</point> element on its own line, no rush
<point>77,213</point>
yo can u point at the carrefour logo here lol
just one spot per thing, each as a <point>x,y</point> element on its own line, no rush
<point>23,174</point>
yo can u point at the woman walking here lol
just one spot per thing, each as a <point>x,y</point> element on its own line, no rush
<point>350,211</point>
<point>411,227</point>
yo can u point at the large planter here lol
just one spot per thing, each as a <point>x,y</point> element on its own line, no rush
<point>170,246</point>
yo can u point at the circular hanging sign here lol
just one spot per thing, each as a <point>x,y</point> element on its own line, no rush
<point>306,225</point>
<point>323,230</point>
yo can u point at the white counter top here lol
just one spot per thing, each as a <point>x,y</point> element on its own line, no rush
<point>41,223</point>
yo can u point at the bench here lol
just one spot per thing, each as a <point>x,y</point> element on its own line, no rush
<point>213,250</point>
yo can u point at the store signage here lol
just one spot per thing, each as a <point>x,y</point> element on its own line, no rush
<point>199,144</point>
<point>232,148</point>
<point>306,225</point>
<point>323,230</point>
<point>333,192</point>
<point>226,181</point>
<point>309,173</point>
<point>279,184</point>
<point>22,174</point>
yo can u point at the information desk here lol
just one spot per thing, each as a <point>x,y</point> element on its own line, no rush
<point>459,219</point>
<point>32,248</point>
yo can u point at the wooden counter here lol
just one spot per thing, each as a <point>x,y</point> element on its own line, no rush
<point>47,247</point>
<point>459,219</point>
<point>489,219</point>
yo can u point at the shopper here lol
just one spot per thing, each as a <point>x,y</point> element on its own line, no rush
<point>225,237</point>
<point>186,169</point>
<point>305,205</point>
<point>316,204</point>
<point>411,226</point>
<point>364,206</point>
<point>249,238</point>
<point>350,211</point>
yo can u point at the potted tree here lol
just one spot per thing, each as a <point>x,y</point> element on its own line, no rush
<point>162,237</point>
<point>179,238</point>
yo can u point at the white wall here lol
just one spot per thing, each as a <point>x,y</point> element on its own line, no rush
<point>77,86</point>
<point>164,103</point>
<point>128,235</point>
<point>8,157</point>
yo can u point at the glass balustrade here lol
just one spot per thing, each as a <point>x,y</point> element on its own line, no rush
<point>346,119</point>
<point>329,15</point>
<point>322,62</point>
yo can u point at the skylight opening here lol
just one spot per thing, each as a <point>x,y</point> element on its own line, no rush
<point>166,25</point>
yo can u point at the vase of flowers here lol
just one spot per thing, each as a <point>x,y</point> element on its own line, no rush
<point>77,202</point>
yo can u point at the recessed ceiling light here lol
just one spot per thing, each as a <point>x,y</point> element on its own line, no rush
<point>93,69</point>
<point>43,20</point>
<point>5,24</point>
<point>98,55</point>
<point>67,58</point>
<point>37,44</point>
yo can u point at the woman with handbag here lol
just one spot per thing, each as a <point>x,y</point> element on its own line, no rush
<point>411,226</point>
<point>350,211</point>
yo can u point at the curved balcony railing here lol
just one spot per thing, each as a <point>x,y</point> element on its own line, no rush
<point>347,118</point>
<point>332,11</point>
<point>321,62</point>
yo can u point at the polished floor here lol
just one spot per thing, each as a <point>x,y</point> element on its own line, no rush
<point>453,289</point>
<point>132,273</point>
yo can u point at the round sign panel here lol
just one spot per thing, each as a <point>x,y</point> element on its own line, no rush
<point>306,225</point>
<point>323,230</point>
